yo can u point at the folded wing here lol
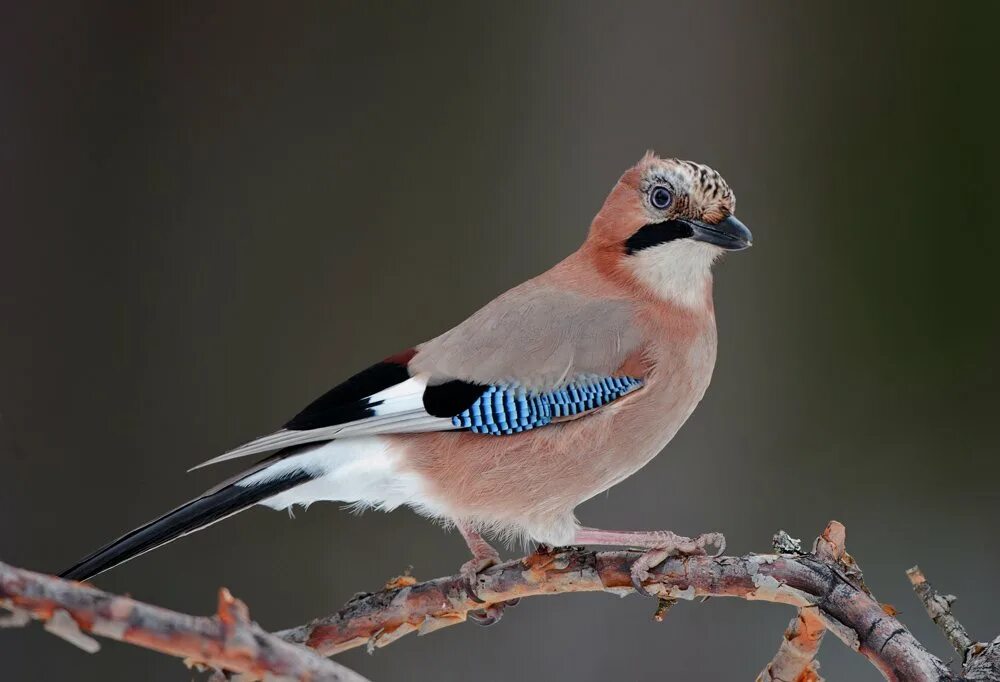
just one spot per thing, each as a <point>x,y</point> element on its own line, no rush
<point>530,358</point>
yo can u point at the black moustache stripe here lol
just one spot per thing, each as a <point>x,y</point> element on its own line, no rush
<point>657,233</point>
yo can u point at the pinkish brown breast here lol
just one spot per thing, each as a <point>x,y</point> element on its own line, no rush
<point>528,484</point>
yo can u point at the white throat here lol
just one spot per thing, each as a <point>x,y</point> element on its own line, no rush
<point>678,271</point>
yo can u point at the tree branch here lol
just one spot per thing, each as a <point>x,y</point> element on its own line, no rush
<point>981,661</point>
<point>795,660</point>
<point>938,607</point>
<point>826,583</point>
<point>228,640</point>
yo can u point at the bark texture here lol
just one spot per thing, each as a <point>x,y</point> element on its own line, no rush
<point>825,585</point>
<point>228,640</point>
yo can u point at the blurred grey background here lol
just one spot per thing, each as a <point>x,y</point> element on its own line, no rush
<point>212,212</point>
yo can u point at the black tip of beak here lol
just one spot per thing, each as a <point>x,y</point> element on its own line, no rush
<point>729,234</point>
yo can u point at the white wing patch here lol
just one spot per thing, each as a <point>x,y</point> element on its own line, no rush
<point>396,409</point>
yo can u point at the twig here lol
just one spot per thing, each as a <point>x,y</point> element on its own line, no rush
<point>825,585</point>
<point>980,661</point>
<point>228,641</point>
<point>833,591</point>
<point>795,660</point>
<point>938,607</point>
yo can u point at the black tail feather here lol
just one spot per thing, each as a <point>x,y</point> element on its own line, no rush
<point>215,505</point>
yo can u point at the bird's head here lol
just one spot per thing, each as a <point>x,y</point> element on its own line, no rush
<point>665,223</point>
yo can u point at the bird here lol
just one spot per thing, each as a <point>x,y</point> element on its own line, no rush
<point>550,394</point>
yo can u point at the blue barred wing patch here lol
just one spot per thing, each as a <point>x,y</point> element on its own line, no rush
<point>504,410</point>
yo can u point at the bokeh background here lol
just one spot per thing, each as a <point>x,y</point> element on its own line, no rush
<point>213,211</point>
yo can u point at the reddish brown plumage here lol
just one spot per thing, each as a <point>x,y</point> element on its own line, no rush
<point>528,484</point>
<point>634,300</point>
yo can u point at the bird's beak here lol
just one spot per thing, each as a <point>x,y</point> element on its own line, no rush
<point>729,234</point>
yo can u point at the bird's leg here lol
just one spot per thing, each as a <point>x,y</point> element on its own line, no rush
<point>659,545</point>
<point>483,556</point>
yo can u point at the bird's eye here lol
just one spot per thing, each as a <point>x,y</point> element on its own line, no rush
<point>660,197</point>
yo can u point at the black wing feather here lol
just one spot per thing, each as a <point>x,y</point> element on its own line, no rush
<point>349,401</point>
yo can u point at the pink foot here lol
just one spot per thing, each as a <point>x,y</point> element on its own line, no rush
<point>473,567</point>
<point>483,556</point>
<point>660,544</point>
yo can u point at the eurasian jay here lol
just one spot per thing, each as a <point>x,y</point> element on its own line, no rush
<point>550,394</point>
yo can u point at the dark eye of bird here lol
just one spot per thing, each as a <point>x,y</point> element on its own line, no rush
<point>660,197</point>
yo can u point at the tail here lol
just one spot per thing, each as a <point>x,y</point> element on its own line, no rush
<point>223,501</point>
